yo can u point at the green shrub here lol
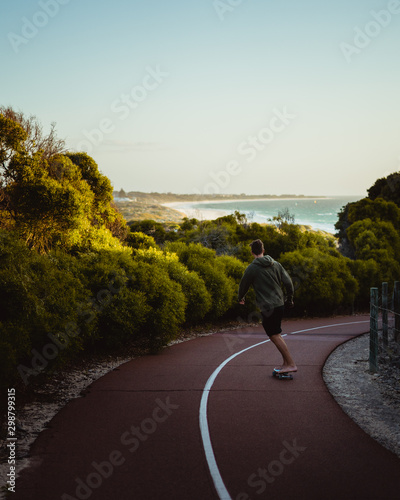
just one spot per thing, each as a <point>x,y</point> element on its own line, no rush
<point>60,296</point>
<point>376,210</point>
<point>195,291</point>
<point>166,299</point>
<point>367,274</point>
<point>151,228</point>
<point>117,312</point>
<point>123,318</point>
<point>368,237</point>
<point>205,262</point>
<point>40,304</point>
<point>140,241</point>
<point>323,282</point>
<point>242,252</point>
<point>14,345</point>
<point>214,236</point>
<point>233,267</point>
<point>134,300</point>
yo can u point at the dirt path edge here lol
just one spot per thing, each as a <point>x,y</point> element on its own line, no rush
<point>371,400</point>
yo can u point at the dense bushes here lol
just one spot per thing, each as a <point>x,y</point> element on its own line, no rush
<point>197,297</point>
<point>131,299</point>
<point>57,304</point>
<point>206,264</point>
<point>369,233</point>
<point>323,281</point>
<point>387,188</point>
<point>166,300</point>
<point>40,299</point>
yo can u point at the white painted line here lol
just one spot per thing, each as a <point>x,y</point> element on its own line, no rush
<point>204,429</point>
<point>205,433</point>
<point>328,326</point>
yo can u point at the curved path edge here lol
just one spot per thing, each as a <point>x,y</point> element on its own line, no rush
<point>203,421</point>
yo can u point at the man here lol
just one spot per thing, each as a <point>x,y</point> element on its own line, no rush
<point>267,276</point>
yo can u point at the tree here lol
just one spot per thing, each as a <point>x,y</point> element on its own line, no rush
<point>12,136</point>
<point>150,227</point>
<point>284,217</point>
<point>43,209</point>
<point>52,199</point>
<point>35,139</point>
<point>352,217</point>
<point>105,212</point>
<point>99,184</point>
<point>188,224</point>
<point>376,210</point>
<point>213,236</point>
<point>387,188</point>
<point>369,236</point>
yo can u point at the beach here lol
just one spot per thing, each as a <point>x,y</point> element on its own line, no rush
<point>318,213</point>
<point>192,210</point>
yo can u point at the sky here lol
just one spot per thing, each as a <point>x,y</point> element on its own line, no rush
<point>213,96</point>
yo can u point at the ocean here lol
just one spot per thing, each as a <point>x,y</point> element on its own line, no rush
<point>319,213</point>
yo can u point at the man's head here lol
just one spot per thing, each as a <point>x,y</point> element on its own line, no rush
<point>257,247</point>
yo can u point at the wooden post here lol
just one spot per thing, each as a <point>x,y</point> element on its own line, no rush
<point>373,331</point>
<point>396,309</point>
<point>385,325</point>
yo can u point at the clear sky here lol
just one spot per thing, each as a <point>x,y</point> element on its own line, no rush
<point>224,96</point>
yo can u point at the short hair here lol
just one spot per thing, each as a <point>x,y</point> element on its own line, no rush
<point>257,247</point>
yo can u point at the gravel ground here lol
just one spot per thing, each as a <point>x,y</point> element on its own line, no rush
<point>373,402</point>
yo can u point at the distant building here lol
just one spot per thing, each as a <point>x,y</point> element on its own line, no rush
<point>120,196</point>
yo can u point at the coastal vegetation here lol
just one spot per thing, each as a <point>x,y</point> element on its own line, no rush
<point>76,277</point>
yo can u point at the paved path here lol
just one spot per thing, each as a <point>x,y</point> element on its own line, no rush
<point>136,433</point>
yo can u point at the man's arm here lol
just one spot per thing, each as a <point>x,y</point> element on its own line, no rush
<point>244,285</point>
<point>288,284</point>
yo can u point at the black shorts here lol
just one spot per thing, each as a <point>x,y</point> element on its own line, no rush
<point>271,321</point>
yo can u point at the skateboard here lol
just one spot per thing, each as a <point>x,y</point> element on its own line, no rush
<point>282,375</point>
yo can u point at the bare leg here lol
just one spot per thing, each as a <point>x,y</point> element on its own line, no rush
<point>288,363</point>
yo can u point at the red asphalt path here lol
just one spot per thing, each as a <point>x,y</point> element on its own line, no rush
<point>136,433</point>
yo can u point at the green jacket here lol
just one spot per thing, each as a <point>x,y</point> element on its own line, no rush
<point>267,277</point>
